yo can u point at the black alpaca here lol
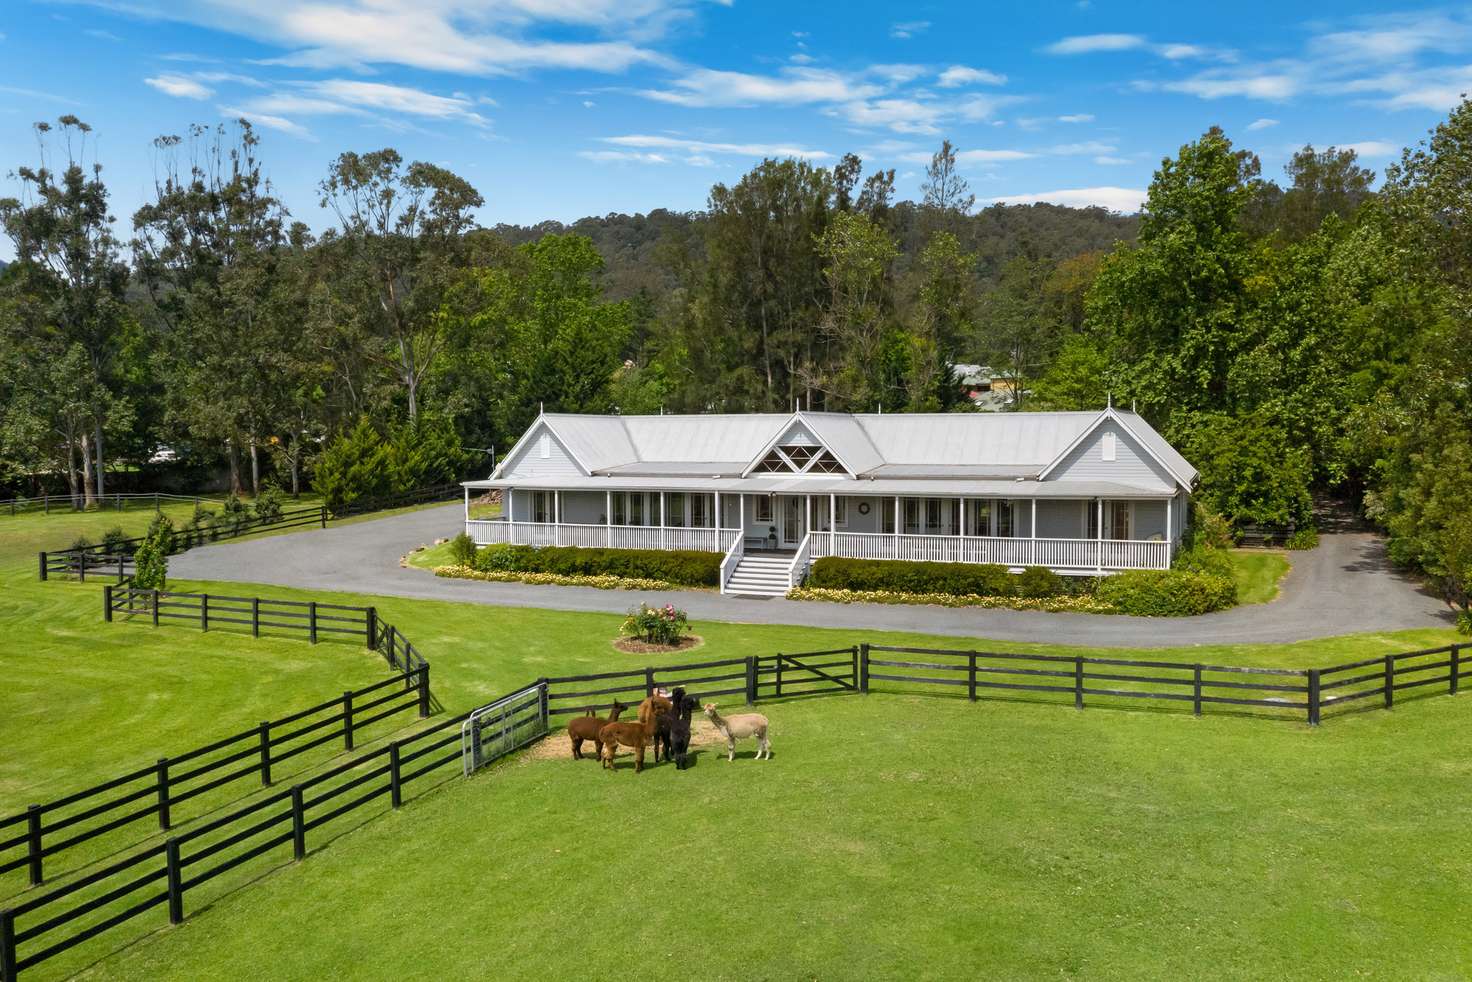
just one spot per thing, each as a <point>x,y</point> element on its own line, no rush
<point>679,744</point>
<point>663,723</point>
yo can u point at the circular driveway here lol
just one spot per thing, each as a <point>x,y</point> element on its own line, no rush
<point>1345,586</point>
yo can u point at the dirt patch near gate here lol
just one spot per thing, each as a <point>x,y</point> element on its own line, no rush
<point>633,646</point>
<point>557,746</point>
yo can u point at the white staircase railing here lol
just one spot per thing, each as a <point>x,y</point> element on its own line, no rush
<point>798,571</point>
<point>734,552</point>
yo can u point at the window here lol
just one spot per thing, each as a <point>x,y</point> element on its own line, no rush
<point>636,509</point>
<point>912,515</point>
<point>762,508</point>
<point>1108,446</point>
<point>1119,516</point>
<point>887,506</point>
<point>798,459</point>
<point>932,515</point>
<point>1091,519</point>
<point>542,506</point>
<point>620,509</point>
<point>840,513</point>
<point>676,502</point>
<point>545,446</point>
<point>698,518</point>
<point>1004,518</point>
<point>979,517</point>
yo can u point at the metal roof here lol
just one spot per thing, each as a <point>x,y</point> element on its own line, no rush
<point>843,486</point>
<point>916,446</point>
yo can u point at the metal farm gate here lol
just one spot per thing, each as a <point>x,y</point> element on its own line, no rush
<point>509,723</point>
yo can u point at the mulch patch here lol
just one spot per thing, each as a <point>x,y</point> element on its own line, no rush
<point>633,646</point>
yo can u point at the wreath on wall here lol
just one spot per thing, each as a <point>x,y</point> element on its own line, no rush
<point>863,508</point>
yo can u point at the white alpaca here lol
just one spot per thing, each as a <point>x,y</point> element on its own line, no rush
<point>740,727</point>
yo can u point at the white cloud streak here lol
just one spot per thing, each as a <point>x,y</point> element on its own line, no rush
<point>179,86</point>
<point>959,75</point>
<point>651,142</point>
<point>1125,200</point>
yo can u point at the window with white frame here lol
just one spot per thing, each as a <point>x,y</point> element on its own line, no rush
<point>1006,528</point>
<point>1108,446</point>
<point>840,513</point>
<point>761,508</point>
<point>912,516</point>
<point>542,506</point>
<point>620,508</point>
<point>545,446</point>
<point>675,501</point>
<point>798,459</point>
<point>1091,519</point>
<point>636,509</point>
<point>699,513</point>
<point>1120,513</point>
<point>979,516</point>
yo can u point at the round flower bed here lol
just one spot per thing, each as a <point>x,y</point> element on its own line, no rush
<point>636,646</point>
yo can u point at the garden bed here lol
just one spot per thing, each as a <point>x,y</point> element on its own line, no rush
<point>553,579</point>
<point>1082,604</point>
<point>638,646</point>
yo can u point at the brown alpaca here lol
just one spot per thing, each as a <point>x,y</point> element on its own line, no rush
<point>653,706</point>
<point>587,727</point>
<point>635,736</point>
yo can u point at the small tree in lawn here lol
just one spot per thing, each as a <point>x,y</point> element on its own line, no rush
<point>1452,569</point>
<point>151,562</point>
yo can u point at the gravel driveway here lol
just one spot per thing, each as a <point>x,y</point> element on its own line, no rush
<point>1345,586</point>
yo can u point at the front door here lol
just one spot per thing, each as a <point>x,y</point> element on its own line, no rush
<point>794,520</point>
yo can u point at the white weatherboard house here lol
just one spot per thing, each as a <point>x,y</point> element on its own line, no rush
<point>1081,493</point>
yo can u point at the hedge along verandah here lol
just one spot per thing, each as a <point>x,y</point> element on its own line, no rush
<point>680,567</point>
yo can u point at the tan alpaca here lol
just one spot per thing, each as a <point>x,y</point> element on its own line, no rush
<point>740,727</point>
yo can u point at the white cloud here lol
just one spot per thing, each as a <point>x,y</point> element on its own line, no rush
<point>908,29</point>
<point>1262,124</point>
<point>706,87</point>
<point>1435,89</point>
<point>1176,52</point>
<point>623,156</point>
<point>397,99</point>
<point>802,59</point>
<point>1125,200</point>
<point>1088,43</point>
<point>589,104</point>
<point>268,120</point>
<point>699,160</point>
<point>1372,148</point>
<point>958,75</point>
<point>1395,38</point>
<point>180,86</point>
<point>1077,118</point>
<point>96,33</point>
<point>1270,86</point>
<point>968,158</point>
<point>1081,149</point>
<point>899,115</point>
<point>1109,161</point>
<point>650,142</point>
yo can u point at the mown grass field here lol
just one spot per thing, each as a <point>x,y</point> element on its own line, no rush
<point>893,835</point>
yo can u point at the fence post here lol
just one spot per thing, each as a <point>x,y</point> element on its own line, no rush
<point>33,843</point>
<point>424,691</point>
<point>1196,691</point>
<point>853,671</point>
<point>265,753</point>
<point>971,675</point>
<point>347,720</point>
<point>204,611</point>
<point>864,668</point>
<point>298,824</point>
<point>648,682</point>
<point>1313,697</point>
<point>312,621</point>
<point>255,617</point>
<point>1456,667</point>
<point>42,557</point>
<point>1078,683</point>
<point>394,795</point>
<point>107,602</point>
<point>7,946</point>
<point>1389,681</point>
<point>176,881</point>
<point>778,692</point>
<point>162,778</point>
<point>372,626</point>
<point>120,568</point>
<point>324,515</point>
<point>155,608</point>
<point>82,566</point>
<point>543,710</point>
<point>751,662</point>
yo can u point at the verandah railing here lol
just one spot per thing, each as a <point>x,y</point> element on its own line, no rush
<point>495,531</point>
<point>1109,554</point>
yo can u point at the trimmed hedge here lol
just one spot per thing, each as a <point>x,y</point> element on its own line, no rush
<point>1168,592</point>
<point>680,567</point>
<point>957,579</point>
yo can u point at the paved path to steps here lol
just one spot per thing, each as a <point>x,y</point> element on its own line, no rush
<point>1345,586</point>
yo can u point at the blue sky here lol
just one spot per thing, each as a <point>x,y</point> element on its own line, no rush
<point>564,108</point>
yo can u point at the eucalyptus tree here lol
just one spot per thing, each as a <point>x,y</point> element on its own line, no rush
<point>403,232</point>
<point>69,266</point>
<point>207,249</point>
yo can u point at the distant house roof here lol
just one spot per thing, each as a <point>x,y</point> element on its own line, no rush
<point>1021,446</point>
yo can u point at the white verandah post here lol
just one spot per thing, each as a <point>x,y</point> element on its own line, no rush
<point>608,518</point>
<point>1170,531</point>
<point>832,524</point>
<point>467,506</point>
<point>1033,528</point>
<point>557,518</point>
<point>896,540</point>
<point>719,521</point>
<point>1099,538</point>
<point>661,520</point>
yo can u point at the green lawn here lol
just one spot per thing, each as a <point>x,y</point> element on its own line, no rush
<point>893,835</point>
<point>1258,573</point>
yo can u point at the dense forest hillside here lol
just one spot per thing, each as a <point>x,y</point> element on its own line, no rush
<point>1295,334</point>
